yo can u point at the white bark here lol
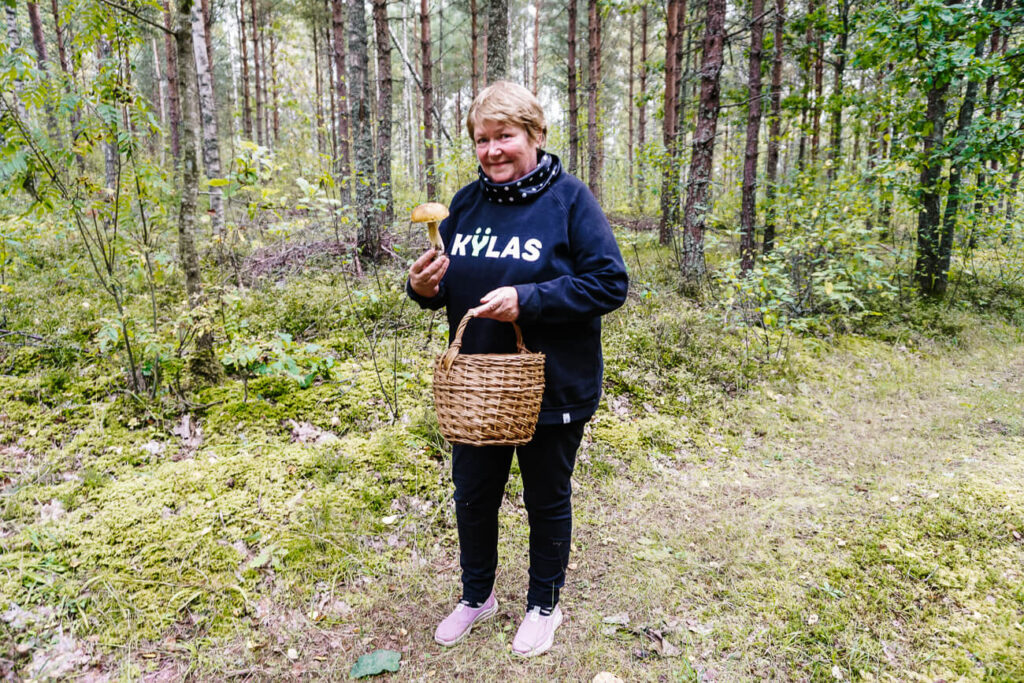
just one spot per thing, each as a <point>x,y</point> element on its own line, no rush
<point>208,117</point>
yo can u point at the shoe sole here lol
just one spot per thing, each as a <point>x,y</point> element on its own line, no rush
<point>546,645</point>
<point>483,616</point>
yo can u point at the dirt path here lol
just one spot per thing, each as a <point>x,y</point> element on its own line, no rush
<point>863,524</point>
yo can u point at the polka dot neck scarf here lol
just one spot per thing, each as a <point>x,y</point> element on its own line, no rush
<point>523,190</point>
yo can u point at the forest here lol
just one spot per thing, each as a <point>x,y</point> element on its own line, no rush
<point>218,452</point>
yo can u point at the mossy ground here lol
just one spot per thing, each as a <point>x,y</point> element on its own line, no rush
<point>851,511</point>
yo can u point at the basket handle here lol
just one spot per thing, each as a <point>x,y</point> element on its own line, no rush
<point>453,350</point>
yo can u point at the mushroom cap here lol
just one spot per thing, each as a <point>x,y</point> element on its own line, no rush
<point>429,212</point>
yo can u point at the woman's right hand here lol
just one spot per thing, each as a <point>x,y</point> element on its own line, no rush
<point>426,273</point>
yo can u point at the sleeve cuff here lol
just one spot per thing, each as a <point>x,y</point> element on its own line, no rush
<point>529,303</point>
<point>433,303</point>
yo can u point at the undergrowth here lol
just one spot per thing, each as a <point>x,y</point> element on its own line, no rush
<point>130,519</point>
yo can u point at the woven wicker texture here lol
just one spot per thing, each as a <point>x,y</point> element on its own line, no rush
<point>488,399</point>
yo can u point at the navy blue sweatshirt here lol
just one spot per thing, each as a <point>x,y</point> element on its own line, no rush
<point>559,253</point>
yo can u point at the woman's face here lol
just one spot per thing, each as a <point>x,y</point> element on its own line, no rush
<point>506,151</point>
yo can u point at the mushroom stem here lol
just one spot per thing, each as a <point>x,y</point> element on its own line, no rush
<point>435,237</point>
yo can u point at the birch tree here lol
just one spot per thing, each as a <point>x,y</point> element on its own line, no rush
<point>208,118</point>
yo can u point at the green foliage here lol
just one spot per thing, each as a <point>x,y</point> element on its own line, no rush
<point>278,356</point>
<point>829,268</point>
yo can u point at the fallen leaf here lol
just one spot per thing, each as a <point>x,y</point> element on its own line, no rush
<point>837,673</point>
<point>700,629</point>
<point>293,654</point>
<point>52,511</point>
<point>620,619</point>
<point>59,661</point>
<point>661,644</point>
<point>190,433</point>
<point>606,677</point>
<point>375,663</point>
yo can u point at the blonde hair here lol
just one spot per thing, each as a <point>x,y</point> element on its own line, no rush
<point>510,103</point>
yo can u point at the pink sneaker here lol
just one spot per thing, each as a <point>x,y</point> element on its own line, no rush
<point>459,623</point>
<point>536,633</point>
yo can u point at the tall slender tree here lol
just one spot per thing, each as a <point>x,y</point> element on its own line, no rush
<point>368,238</point>
<point>497,40</point>
<point>203,363</point>
<point>836,101</point>
<point>43,62</point>
<point>774,126</point>
<point>208,117</point>
<point>669,123</point>
<point>343,155</point>
<point>426,55</point>
<point>595,153</point>
<point>474,35</point>
<point>698,191</point>
<point>257,69</point>
<point>642,117</point>
<point>536,46</point>
<point>244,45</point>
<point>574,106</point>
<point>748,208</point>
<point>173,95</point>
<point>384,118</point>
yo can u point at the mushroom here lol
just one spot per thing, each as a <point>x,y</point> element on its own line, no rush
<point>431,213</point>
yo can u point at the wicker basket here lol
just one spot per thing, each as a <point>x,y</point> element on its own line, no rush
<point>488,399</point>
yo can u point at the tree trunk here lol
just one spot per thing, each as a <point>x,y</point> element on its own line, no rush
<point>1011,196</point>
<point>265,74</point>
<point>748,210</point>
<point>836,104</point>
<point>161,93</point>
<point>473,38</point>
<point>819,72</point>
<point>642,118</point>
<point>342,167</point>
<point>428,99</point>
<point>927,270</point>
<point>384,118</point>
<point>275,115</point>
<point>208,119</point>
<point>173,96</point>
<point>318,90</point>
<point>65,66</point>
<point>536,46</point>
<point>629,108</point>
<point>774,127</point>
<point>963,123</point>
<point>497,40</point>
<point>208,36</point>
<point>368,238</point>
<point>257,67</point>
<point>595,154</point>
<point>39,43</point>
<point>246,105</point>
<point>670,169</point>
<point>698,192</point>
<point>111,157</point>
<point>574,106</point>
<point>203,363</point>
<point>990,82</point>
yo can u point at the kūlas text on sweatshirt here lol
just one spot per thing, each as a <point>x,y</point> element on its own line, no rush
<point>546,235</point>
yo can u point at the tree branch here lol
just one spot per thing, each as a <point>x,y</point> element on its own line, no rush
<point>419,84</point>
<point>144,20</point>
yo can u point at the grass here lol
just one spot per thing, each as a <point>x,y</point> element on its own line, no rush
<point>850,511</point>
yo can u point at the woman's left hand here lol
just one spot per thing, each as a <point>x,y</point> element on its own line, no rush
<point>499,304</point>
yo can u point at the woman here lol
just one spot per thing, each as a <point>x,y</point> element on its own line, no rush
<point>527,242</point>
